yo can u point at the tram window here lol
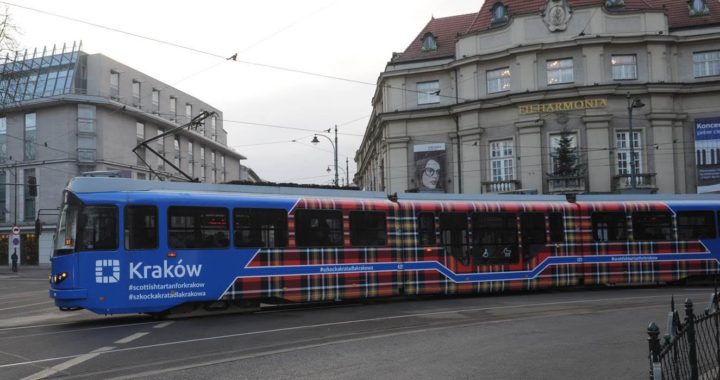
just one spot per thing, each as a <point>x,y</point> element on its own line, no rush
<point>318,228</point>
<point>256,227</point>
<point>557,227</point>
<point>198,227</point>
<point>533,227</point>
<point>141,229</point>
<point>494,228</point>
<point>426,228</point>
<point>98,228</point>
<point>609,226</point>
<point>368,228</point>
<point>694,225</point>
<point>652,225</point>
<point>454,234</point>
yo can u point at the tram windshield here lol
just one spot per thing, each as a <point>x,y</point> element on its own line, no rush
<point>85,227</point>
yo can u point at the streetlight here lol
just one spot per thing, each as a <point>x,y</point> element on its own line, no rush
<point>334,145</point>
<point>635,103</point>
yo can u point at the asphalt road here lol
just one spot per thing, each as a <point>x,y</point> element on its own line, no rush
<point>571,334</point>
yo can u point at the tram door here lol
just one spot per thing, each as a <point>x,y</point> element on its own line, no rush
<point>532,226</point>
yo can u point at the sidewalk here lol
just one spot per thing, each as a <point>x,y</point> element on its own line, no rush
<point>30,271</point>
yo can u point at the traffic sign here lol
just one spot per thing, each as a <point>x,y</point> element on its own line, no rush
<point>15,239</point>
<point>16,230</point>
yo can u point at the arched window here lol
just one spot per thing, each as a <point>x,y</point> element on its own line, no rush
<point>429,43</point>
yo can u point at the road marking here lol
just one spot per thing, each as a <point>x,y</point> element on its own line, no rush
<point>163,325</point>
<point>28,305</point>
<point>102,349</point>
<point>63,366</point>
<point>130,338</point>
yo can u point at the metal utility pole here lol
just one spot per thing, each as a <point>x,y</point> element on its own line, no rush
<point>335,151</point>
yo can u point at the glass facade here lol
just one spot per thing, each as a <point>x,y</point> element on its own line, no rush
<point>86,137</point>
<point>3,195</point>
<point>29,209</point>
<point>32,75</point>
<point>3,139</point>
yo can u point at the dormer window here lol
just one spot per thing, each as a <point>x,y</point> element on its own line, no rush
<point>698,7</point>
<point>499,14</point>
<point>429,43</point>
<point>614,3</point>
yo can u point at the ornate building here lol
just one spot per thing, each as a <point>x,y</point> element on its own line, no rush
<point>499,100</point>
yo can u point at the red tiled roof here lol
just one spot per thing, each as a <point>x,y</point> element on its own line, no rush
<point>676,11</point>
<point>445,30</point>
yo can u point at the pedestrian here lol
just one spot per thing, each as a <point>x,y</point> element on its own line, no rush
<point>14,259</point>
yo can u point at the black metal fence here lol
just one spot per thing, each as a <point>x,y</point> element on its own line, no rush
<point>690,348</point>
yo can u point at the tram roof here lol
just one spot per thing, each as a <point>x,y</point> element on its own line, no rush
<point>109,184</point>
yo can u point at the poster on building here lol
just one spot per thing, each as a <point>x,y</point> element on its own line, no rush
<point>707,154</point>
<point>430,167</point>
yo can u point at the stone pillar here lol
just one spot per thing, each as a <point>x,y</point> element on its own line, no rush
<point>600,158</point>
<point>396,165</point>
<point>471,163</point>
<point>662,152</point>
<point>529,152</point>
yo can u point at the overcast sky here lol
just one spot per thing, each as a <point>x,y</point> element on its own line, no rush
<point>339,38</point>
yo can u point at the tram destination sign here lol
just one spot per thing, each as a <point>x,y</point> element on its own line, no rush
<point>571,105</point>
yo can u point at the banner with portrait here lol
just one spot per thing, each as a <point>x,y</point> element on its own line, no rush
<point>707,154</point>
<point>430,167</point>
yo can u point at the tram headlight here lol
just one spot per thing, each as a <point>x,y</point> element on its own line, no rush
<point>58,278</point>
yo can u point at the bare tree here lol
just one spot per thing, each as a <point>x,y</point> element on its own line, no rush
<point>8,32</point>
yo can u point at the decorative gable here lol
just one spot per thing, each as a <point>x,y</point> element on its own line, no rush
<point>557,15</point>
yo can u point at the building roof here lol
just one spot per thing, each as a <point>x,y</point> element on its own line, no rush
<point>445,30</point>
<point>676,11</point>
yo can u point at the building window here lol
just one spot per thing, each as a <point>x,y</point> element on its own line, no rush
<point>498,80</point>
<point>499,14</point>
<point>29,204</point>
<point>213,128</point>
<point>501,160</point>
<point>624,67</point>
<point>140,137</point>
<point>213,171</point>
<point>614,3</point>
<point>560,71</point>
<point>3,139</point>
<point>3,194</point>
<point>173,108</point>
<point>155,101</point>
<point>176,151</point>
<point>160,149</point>
<point>188,112</point>
<point>86,133</point>
<point>136,93</point>
<point>698,8</point>
<point>191,161</point>
<point>706,64</point>
<point>202,164</point>
<point>622,147</point>
<point>428,92</point>
<point>563,160</point>
<point>30,135</point>
<point>222,168</point>
<point>114,85</point>
<point>429,43</point>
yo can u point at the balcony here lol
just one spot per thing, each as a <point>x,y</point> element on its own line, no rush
<point>565,184</point>
<point>645,183</point>
<point>506,186</point>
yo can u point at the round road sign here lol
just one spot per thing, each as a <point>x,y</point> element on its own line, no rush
<point>16,230</point>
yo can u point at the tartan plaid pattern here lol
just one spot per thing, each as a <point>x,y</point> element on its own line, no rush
<point>402,246</point>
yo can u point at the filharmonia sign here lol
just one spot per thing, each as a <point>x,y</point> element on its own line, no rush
<point>572,105</point>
